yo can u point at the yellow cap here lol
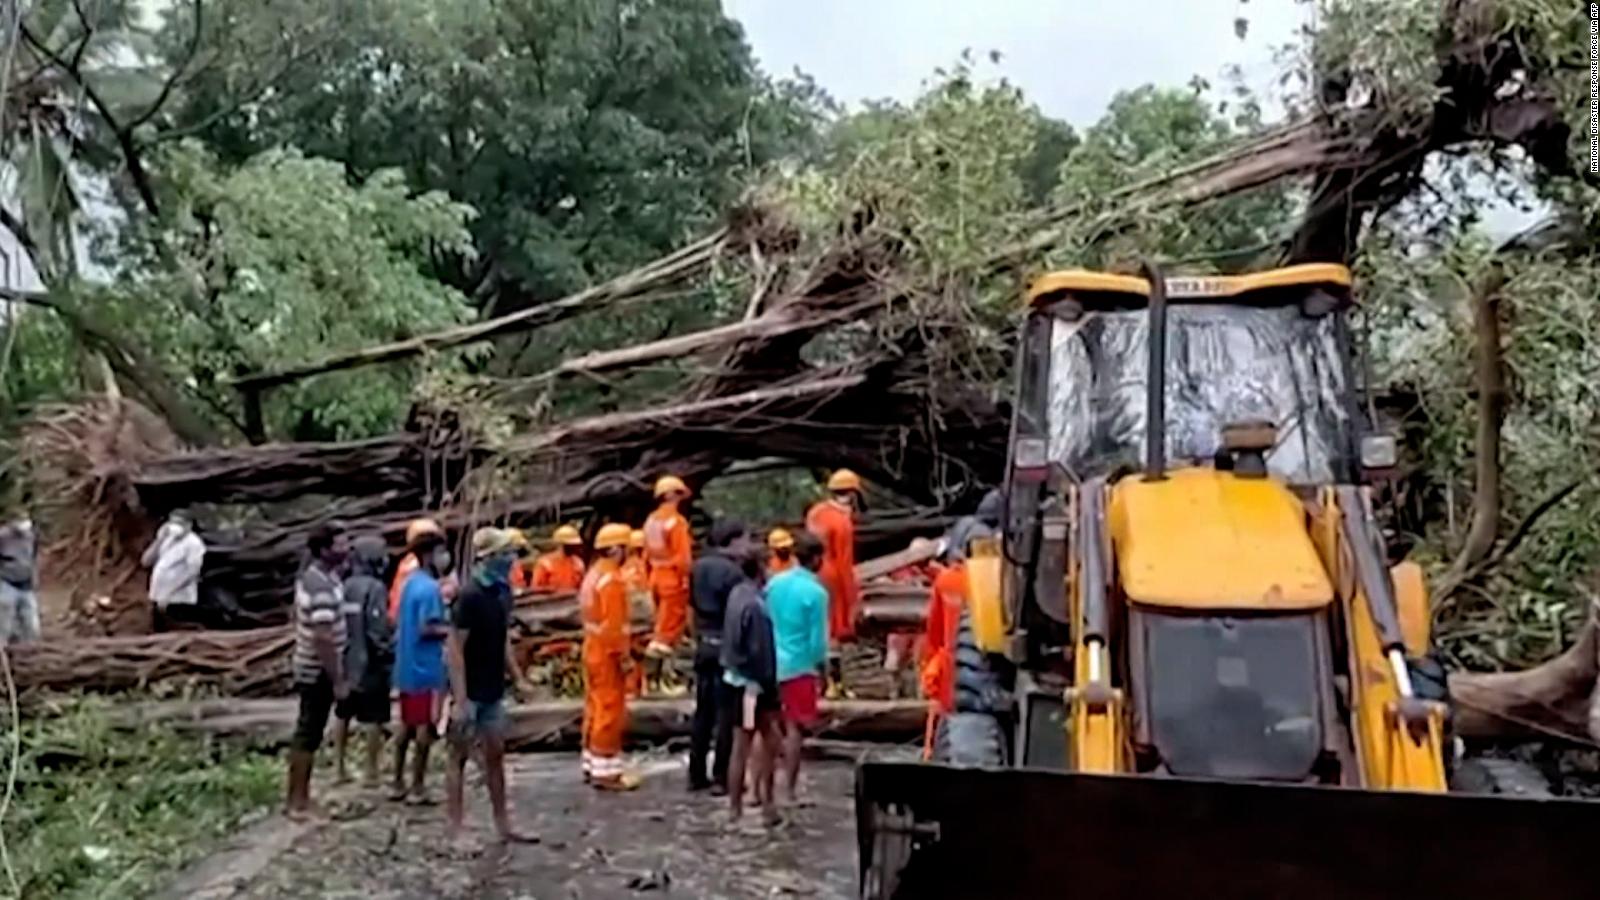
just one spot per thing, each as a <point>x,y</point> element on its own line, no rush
<point>844,480</point>
<point>519,539</point>
<point>668,484</point>
<point>568,536</point>
<point>416,528</point>
<point>780,539</point>
<point>612,536</point>
<point>636,540</point>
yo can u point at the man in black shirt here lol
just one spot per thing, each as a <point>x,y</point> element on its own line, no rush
<point>480,656</point>
<point>710,581</point>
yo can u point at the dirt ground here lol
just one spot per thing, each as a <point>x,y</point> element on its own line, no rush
<point>657,841</point>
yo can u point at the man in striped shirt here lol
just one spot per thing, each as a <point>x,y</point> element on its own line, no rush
<point>319,642</point>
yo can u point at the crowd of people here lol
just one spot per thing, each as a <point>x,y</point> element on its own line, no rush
<point>429,641</point>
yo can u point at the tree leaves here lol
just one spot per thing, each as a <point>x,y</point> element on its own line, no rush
<point>283,258</point>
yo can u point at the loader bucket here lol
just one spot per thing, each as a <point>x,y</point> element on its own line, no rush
<point>936,831</point>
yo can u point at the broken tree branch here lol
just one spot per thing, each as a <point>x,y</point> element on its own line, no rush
<point>686,263</point>
<point>1489,375</point>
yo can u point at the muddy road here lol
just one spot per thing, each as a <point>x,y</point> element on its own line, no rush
<point>658,841</point>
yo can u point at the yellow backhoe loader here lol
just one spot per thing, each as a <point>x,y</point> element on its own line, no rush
<point>1188,666</point>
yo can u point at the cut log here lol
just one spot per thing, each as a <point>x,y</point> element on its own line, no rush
<point>883,565</point>
<point>542,725</point>
<point>1555,699</point>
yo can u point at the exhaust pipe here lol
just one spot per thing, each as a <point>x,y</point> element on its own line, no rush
<point>1155,381</point>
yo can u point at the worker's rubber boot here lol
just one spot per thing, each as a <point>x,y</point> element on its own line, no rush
<point>627,781</point>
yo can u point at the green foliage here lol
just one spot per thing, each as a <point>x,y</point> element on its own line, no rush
<point>1424,339</point>
<point>943,176</point>
<point>1379,51</point>
<point>592,135</point>
<point>104,812</point>
<point>280,260</point>
<point>1149,132</point>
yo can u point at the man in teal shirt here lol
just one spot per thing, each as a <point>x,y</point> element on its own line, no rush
<point>797,603</point>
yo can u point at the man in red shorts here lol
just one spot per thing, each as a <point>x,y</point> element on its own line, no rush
<point>419,671</point>
<point>797,603</point>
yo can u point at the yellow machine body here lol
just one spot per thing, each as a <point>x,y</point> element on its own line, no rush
<point>1210,663</point>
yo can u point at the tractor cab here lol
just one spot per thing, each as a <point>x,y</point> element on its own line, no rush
<point>1167,439</point>
<point>1272,347</point>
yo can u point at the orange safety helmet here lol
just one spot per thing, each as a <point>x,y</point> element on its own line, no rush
<point>780,540</point>
<point>568,536</point>
<point>668,484</point>
<point>417,528</point>
<point>636,540</point>
<point>612,536</point>
<point>844,480</point>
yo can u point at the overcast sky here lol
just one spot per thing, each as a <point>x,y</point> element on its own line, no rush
<point>1069,56</point>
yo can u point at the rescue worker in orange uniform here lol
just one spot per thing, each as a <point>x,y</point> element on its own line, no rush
<point>781,543</point>
<point>562,568</point>
<point>636,575</point>
<point>603,601</point>
<point>670,549</point>
<point>947,599</point>
<point>519,566</point>
<point>641,606</point>
<point>416,530</point>
<point>833,523</point>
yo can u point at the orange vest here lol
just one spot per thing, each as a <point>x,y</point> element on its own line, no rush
<point>636,573</point>
<point>945,602</point>
<point>777,565</point>
<point>835,527</point>
<point>603,602</point>
<point>667,542</point>
<point>557,571</point>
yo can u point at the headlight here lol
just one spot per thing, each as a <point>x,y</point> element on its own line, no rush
<point>1031,453</point>
<point>1379,451</point>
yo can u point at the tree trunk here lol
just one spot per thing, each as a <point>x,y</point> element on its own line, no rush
<point>1555,699</point>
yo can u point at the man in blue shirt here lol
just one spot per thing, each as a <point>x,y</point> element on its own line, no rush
<point>797,603</point>
<point>419,671</point>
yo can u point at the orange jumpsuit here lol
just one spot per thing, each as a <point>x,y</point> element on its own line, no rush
<point>557,571</point>
<point>945,602</point>
<point>834,525</point>
<point>408,564</point>
<point>603,601</point>
<point>670,547</point>
<point>519,577</point>
<point>636,573</point>
<point>636,577</point>
<point>777,565</point>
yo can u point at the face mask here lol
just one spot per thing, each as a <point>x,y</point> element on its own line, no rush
<point>498,567</point>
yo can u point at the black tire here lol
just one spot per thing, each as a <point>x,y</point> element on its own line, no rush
<point>969,739</point>
<point>1498,775</point>
<point>978,687</point>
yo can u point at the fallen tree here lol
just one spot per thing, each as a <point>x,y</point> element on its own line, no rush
<point>1557,699</point>
<point>540,725</point>
<point>889,397</point>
